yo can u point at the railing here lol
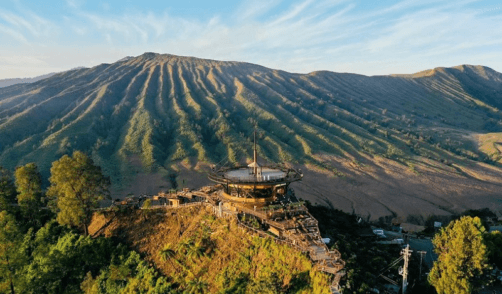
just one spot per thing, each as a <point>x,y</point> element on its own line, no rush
<point>290,175</point>
<point>332,264</point>
<point>258,179</point>
<point>263,234</point>
<point>190,204</point>
<point>335,253</point>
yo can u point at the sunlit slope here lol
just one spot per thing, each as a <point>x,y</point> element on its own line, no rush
<point>158,110</point>
<point>213,251</point>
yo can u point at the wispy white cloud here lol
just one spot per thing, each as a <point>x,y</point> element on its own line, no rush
<point>21,25</point>
<point>21,60</point>
<point>293,12</point>
<point>304,36</point>
<point>252,9</point>
<point>74,3</point>
<point>16,35</point>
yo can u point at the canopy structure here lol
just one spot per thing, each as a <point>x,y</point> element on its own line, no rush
<point>255,182</point>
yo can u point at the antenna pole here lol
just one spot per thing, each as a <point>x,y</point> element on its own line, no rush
<point>255,153</point>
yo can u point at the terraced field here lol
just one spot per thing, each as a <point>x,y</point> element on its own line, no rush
<point>380,146</point>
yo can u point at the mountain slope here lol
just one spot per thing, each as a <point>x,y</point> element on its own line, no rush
<point>361,138</point>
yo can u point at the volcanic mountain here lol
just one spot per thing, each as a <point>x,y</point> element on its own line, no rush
<point>400,145</point>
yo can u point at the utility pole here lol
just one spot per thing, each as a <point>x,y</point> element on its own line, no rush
<point>407,253</point>
<point>421,256</point>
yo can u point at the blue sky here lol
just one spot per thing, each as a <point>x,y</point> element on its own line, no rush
<point>365,37</point>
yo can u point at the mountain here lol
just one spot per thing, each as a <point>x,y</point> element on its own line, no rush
<point>10,82</point>
<point>401,145</point>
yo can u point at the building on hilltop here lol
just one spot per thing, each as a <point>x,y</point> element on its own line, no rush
<point>260,198</point>
<point>255,185</point>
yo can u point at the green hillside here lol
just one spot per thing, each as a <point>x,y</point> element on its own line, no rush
<point>152,116</point>
<point>211,251</point>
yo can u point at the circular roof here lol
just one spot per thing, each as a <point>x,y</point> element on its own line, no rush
<point>244,174</point>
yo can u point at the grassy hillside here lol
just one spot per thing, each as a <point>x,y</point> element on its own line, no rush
<point>378,145</point>
<point>212,252</point>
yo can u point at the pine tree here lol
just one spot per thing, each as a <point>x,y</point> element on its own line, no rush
<point>11,260</point>
<point>77,186</point>
<point>7,190</point>
<point>29,188</point>
<point>462,257</point>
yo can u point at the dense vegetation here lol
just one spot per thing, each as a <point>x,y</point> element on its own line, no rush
<point>184,251</point>
<point>196,249</point>
<point>56,259</point>
<point>467,256</point>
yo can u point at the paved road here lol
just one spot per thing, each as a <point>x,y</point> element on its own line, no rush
<point>424,245</point>
<point>495,228</point>
<point>417,245</point>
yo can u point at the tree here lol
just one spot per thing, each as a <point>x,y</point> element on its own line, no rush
<point>195,251</point>
<point>493,243</point>
<point>128,273</point>
<point>183,246</point>
<point>167,253</point>
<point>77,186</point>
<point>60,265</point>
<point>7,190</point>
<point>197,285</point>
<point>10,258</point>
<point>29,189</point>
<point>483,214</point>
<point>461,257</point>
<point>146,206</point>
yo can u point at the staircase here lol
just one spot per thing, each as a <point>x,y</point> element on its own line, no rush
<point>329,262</point>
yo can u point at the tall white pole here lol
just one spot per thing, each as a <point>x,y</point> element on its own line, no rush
<point>407,253</point>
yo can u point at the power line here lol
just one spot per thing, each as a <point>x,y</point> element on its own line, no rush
<point>391,265</point>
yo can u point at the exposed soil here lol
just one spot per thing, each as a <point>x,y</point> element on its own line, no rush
<point>374,187</point>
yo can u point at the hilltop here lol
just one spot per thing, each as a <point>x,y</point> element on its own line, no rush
<point>400,145</point>
<point>212,251</point>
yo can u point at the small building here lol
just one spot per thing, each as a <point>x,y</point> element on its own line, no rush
<point>174,202</point>
<point>275,231</point>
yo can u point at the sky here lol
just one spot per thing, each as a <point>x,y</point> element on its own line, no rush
<point>364,37</point>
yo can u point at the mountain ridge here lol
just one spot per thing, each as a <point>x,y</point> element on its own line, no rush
<point>13,81</point>
<point>155,115</point>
